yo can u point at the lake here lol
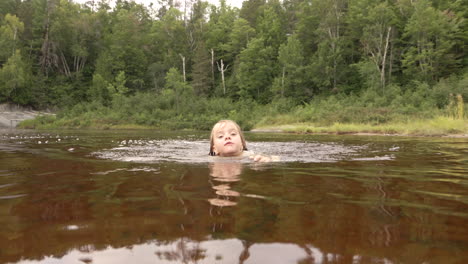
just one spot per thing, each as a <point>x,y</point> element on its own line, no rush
<point>157,197</point>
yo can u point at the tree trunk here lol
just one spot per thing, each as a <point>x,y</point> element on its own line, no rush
<point>14,40</point>
<point>390,65</point>
<point>65,68</point>
<point>185,13</point>
<point>78,63</point>
<point>183,66</point>
<point>282,81</point>
<point>212,69</point>
<point>44,62</point>
<point>49,56</point>
<point>384,59</point>
<point>222,70</point>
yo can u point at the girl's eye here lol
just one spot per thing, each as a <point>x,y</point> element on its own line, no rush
<point>220,136</point>
<point>233,134</point>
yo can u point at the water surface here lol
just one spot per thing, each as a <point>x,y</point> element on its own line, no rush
<point>156,197</point>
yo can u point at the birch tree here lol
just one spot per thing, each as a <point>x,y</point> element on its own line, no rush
<point>49,58</point>
<point>222,68</point>
<point>13,76</point>
<point>375,23</point>
<point>9,35</point>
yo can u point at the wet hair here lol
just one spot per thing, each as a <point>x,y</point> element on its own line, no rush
<point>219,125</point>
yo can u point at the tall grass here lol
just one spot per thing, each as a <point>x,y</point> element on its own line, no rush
<point>437,126</point>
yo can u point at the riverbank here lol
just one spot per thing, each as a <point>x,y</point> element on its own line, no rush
<point>436,127</point>
<point>338,114</point>
<point>439,126</point>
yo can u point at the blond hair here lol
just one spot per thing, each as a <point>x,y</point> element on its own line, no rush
<point>220,124</point>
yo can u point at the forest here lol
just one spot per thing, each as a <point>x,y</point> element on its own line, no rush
<point>186,64</point>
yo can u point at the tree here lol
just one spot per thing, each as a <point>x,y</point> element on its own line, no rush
<point>49,58</point>
<point>329,56</point>
<point>8,7</point>
<point>292,9</point>
<point>13,76</point>
<point>222,68</point>
<point>218,31</point>
<point>271,25</point>
<point>306,26</point>
<point>127,47</point>
<point>250,10</point>
<point>196,25</point>
<point>430,39</point>
<point>14,73</point>
<point>99,90</point>
<point>118,87</point>
<point>240,36</point>
<point>201,73</point>
<point>217,35</point>
<point>9,34</point>
<point>83,40</point>
<point>256,70</point>
<point>168,36</point>
<point>292,81</point>
<point>181,90</point>
<point>70,33</point>
<point>373,25</point>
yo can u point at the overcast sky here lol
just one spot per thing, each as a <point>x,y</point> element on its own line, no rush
<point>234,3</point>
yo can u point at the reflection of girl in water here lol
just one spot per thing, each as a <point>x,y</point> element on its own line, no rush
<point>227,140</point>
<point>225,173</point>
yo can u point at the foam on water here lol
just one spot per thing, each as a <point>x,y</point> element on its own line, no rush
<point>153,151</point>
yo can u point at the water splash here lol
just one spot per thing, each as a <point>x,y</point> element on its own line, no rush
<point>189,151</point>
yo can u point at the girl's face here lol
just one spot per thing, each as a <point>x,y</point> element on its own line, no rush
<point>227,140</point>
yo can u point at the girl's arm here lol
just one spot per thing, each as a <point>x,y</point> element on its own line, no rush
<point>264,158</point>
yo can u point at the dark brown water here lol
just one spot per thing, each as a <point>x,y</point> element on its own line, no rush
<point>153,197</point>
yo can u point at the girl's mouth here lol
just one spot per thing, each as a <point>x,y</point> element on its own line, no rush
<point>228,143</point>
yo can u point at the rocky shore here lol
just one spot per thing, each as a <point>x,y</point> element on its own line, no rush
<point>12,115</point>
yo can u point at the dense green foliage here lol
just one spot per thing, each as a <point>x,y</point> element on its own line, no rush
<point>185,66</point>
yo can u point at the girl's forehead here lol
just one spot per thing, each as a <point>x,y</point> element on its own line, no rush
<point>225,126</point>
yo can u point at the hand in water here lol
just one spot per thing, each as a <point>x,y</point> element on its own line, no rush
<point>263,158</point>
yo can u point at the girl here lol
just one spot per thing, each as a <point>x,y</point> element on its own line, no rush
<point>227,140</point>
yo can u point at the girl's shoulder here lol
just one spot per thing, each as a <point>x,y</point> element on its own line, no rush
<point>259,156</point>
<point>247,153</point>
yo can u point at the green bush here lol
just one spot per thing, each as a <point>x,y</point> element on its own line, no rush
<point>416,100</point>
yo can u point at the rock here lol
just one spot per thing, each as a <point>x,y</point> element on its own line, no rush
<point>12,115</point>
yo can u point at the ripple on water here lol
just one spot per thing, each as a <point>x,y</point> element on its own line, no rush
<point>152,151</point>
<point>8,197</point>
<point>139,169</point>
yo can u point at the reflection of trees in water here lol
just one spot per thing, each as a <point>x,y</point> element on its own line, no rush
<point>183,252</point>
<point>245,254</point>
<point>113,210</point>
<point>383,234</point>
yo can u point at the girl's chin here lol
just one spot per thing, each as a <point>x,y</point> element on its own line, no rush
<point>230,154</point>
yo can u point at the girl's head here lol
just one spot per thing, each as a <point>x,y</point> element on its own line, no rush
<point>227,139</point>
